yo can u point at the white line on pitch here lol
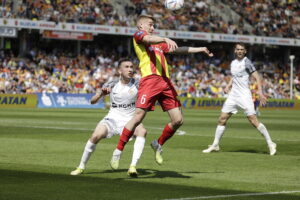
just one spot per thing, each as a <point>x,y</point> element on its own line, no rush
<point>237,195</point>
<point>149,127</point>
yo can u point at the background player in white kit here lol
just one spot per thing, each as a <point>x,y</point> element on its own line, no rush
<point>123,94</point>
<point>240,97</point>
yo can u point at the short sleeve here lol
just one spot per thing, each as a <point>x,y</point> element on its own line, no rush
<point>139,35</point>
<point>249,66</point>
<point>110,84</point>
<point>135,82</point>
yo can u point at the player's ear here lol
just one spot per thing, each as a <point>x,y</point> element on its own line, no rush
<point>139,24</point>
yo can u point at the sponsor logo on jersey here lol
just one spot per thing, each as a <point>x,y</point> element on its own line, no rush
<point>114,105</point>
<point>151,48</point>
<point>131,92</point>
<point>139,33</point>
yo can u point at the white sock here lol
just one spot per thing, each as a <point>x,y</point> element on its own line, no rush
<point>117,152</point>
<point>88,150</point>
<point>218,135</point>
<point>263,130</point>
<point>137,150</point>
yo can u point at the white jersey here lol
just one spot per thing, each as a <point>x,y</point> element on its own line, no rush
<point>122,98</point>
<point>240,94</point>
<point>241,71</point>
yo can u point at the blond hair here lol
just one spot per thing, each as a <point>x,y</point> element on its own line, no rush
<point>145,17</point>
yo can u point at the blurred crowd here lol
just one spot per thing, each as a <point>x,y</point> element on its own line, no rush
<point>192,76</point>
<point>267,17</point>
<point>75,11</point>
<point>54,73</point>
<point>196,16</point>
<point>279,18</point>
<point>208,78</point>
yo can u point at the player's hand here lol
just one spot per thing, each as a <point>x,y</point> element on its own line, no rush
<point>226,89</point>
<point>206,51</point>
<point>105,91</point>
<point>172,46</point>
<point>262,99</point>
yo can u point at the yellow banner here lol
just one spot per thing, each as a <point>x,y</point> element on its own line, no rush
<point>217,103</point>
<point>18,100</point>
<point>276,104</point>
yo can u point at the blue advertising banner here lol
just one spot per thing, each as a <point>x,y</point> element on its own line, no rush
<point>65,100</point>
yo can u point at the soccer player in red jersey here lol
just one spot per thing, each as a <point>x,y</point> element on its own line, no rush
<point>155,84</point>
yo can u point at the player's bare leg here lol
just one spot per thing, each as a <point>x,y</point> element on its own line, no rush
<point>175,115</point>
<point>140,133</point>
<point>129,128</point>
<point>99,133</point>
<point>224,117</point>
<point>126,135</point>
<point>263,130</point>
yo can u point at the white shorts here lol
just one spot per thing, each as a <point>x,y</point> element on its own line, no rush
<point>114,125</point>
<point>232,105</point>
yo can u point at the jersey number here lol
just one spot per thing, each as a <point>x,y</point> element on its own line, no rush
<point>143,99</point>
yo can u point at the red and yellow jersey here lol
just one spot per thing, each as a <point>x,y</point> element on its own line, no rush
<point>152,58</point>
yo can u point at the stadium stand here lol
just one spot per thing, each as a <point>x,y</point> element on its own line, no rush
<point>89,12</point>
<point>193,77</point>
<point>266,18</point>
<point>279,18</point>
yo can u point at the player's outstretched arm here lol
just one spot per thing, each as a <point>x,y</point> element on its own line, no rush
<point>99,95</point>
<point>153,39</point>
<point>262,97</point>
<point>185,50</point>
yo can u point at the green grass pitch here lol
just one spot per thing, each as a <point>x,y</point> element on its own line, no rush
<point>39,148</point>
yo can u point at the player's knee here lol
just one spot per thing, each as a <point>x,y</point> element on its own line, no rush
<point>222,121</point>
<point>253,120</point>
<point>144,132</point>
<point>177,122</point>
<point>95,138</point>
<point>140,131</point>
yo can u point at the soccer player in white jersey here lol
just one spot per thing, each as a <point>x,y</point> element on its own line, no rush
<point>240,98</point>
<point>123,94</point>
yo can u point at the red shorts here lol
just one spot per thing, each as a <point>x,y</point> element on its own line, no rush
<point>157,88</point>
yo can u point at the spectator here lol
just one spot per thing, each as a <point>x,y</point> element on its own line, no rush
<point>267,18</point>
